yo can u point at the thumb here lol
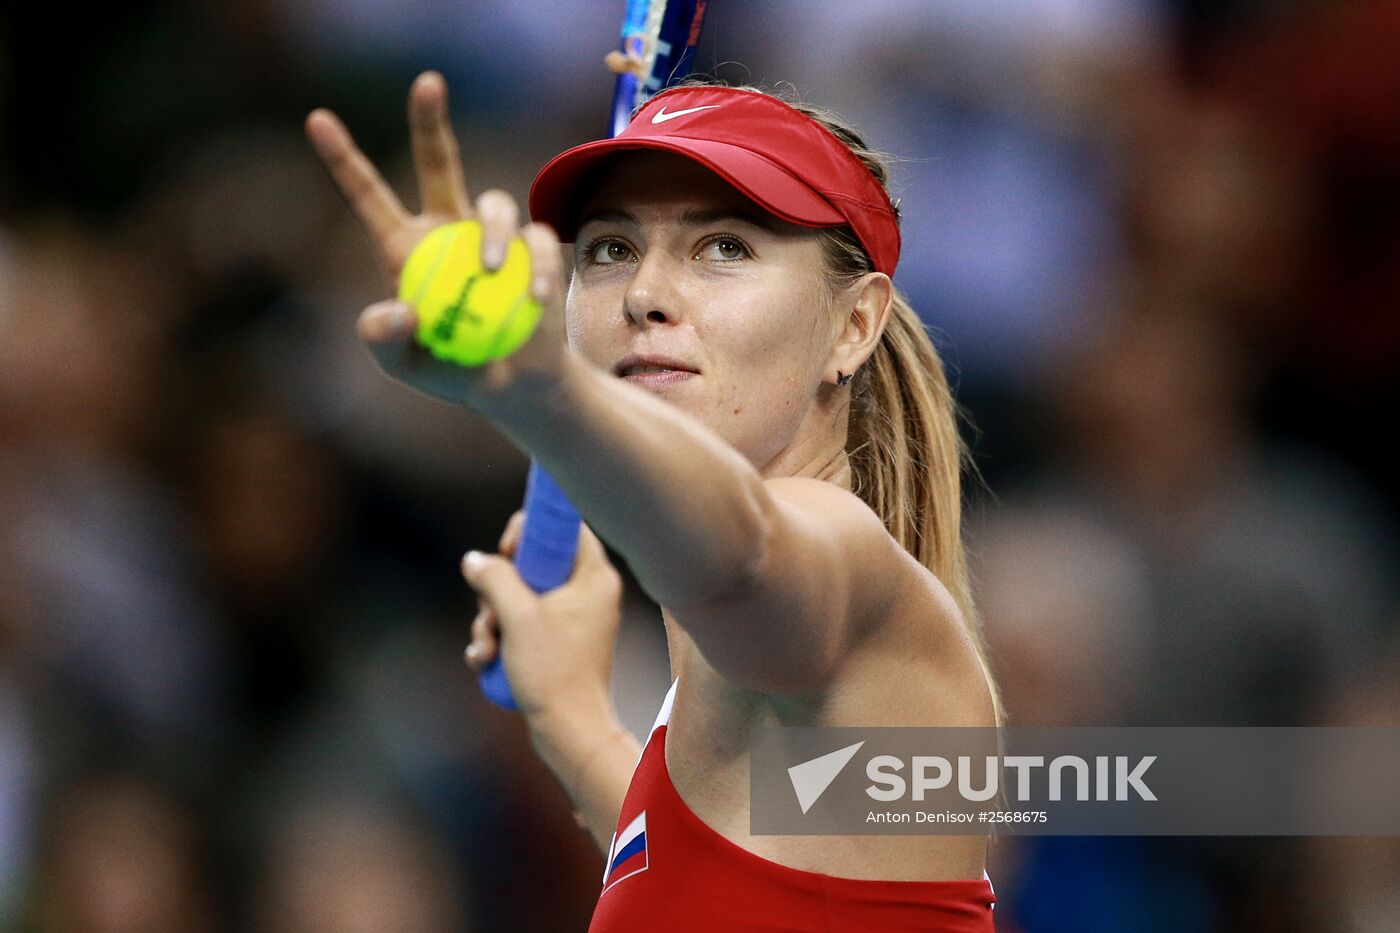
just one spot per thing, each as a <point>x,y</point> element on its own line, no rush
<point>593,564</point>
<point>591,552</point>
<point>387,322</point>
<point>497,581</point>
<point>387,328</point>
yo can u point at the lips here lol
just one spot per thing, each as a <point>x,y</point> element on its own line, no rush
<point>659,380</point>
<point>651,363</point>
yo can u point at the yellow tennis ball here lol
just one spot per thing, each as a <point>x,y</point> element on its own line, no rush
<point>467,314</point>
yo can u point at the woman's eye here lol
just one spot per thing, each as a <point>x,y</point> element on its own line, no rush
<point>608,252</point>
<point>725,249</point>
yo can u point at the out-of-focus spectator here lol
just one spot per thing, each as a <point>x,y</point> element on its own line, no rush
<point>115,633</point>
<point>1067,611</point>
<point>122,857</point>
<point>19,792</point>
<point>1353,884</point>
<point>1323,77</point>
<point>1171,570</point>
<point>269,502</point>
<point>346,866</point>
<point>1260,565</point>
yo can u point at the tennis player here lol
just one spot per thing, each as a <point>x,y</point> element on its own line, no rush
<point>732,392</point>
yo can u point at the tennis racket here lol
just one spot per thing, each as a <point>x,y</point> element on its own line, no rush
<point>660,37</point>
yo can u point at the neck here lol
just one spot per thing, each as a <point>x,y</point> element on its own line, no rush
<point>819,449</point>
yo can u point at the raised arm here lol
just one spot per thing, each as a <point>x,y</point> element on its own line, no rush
<point>773,579</point>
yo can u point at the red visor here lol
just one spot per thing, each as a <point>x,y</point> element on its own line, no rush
<point>788,163</point>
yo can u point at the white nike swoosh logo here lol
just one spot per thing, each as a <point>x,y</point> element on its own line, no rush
<point>662,116</point>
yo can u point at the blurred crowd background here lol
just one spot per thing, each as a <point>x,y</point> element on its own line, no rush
<point>1157,242</point>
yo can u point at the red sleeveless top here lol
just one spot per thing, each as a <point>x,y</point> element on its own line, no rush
<point>667,870</point>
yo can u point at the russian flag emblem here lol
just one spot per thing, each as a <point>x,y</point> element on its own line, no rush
<point>628,854</point>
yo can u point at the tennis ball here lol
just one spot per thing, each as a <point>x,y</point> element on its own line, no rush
<point>467,314</point>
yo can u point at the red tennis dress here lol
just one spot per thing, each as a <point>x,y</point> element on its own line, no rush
<point>668,871</point>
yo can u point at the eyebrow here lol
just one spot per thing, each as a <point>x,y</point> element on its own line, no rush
<point>752,218</point>
<point>689,218</point>
<point>605,214</point>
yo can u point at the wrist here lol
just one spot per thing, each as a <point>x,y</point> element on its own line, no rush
<point>570,740</point>
<point>563,723</point>
<point>508,391</point>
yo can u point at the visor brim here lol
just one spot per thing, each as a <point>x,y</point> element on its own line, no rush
<point>556,197</point>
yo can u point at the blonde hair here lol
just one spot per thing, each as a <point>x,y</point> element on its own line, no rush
<point>907,456</point>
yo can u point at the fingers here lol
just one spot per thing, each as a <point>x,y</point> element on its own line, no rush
<point>589,545</point>
<point>496,580</point>
<point>616,62</point>
<point>503,594</point>
<point>387,329</point>
<point>546,261</point>
<point>363,188</point>
<point>510,538</point>
<point>485,642</point>
<point>387,322</point>
<point>499,218</point>
<point>435,155</point>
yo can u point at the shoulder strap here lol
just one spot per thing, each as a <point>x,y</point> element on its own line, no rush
<point>664,716</point>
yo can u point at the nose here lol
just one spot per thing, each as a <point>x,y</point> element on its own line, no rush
<point>651,294</point>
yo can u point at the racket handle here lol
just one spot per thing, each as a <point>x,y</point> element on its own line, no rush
<point>544,558</point>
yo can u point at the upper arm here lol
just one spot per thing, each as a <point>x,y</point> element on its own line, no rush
<point>826,571</point>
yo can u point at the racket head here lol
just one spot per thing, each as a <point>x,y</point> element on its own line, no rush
<point>663,35</point>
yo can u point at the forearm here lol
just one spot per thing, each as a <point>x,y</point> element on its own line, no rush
<point>682,507</point>
<point>593,758</point>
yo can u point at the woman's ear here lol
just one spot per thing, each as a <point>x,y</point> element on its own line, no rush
<point>866,304</point>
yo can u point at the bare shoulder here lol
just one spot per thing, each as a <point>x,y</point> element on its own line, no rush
<point>842,511</point>
<point>905,602</point>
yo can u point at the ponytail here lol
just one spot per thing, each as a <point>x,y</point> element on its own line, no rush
<point>907,457</point>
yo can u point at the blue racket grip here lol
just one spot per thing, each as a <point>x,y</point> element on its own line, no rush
<point>544,559</point>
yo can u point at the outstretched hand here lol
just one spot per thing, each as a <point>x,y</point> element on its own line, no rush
<point>387,327</point>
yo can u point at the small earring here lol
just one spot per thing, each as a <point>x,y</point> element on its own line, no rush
<point>843,379</point>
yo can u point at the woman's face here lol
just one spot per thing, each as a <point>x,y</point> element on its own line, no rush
<point>672,261</point>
